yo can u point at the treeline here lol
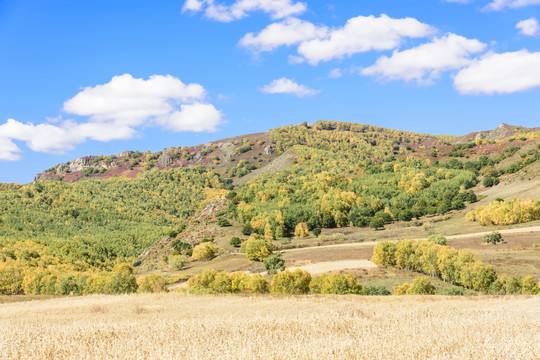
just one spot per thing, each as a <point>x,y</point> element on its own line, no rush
<point>297,282</point>
<point>58,280</point>
<point>500,212</point>
<point>460,267</point>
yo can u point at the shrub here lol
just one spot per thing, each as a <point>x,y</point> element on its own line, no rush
<point>235,241</point>
<point>422,286</point>
<point>490,181</point>
<point>152,283</point>
<point>529,286</point>
<point>177,261</point>
<point>223,222</point>
<point>273,263</point>
<point>287,282</point>
<point>335,284</point>
<point>247,229</point>
<point>317,231</point>
<point>402,289</point>
<point>376,223</point>
<point>202,283</point>
<point>376,290</point>
<point>492,238</point>
<point>257,284</point>
<point>204,251</point>
<point>437,239</point>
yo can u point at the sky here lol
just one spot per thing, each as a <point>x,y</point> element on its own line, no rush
<point>92,77</point>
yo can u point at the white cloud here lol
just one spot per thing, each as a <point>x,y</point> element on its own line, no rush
<point>425,62</point>
<point>502,4</point>
<point>288,32</point>
<point>287,86</point>
<point>335,73</point>
<point>500,74</point>
<point>116,110</point>
<point>278,9</point>
<point>528,27</point>
<point>8,150</point>
<point>362,34</point>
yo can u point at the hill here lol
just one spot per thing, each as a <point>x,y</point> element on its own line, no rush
<point>88,216</point>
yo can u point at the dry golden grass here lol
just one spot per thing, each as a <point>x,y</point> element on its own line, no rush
<point>176,326</point>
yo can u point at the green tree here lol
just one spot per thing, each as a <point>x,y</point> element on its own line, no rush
<point>422,286</point>
<point>376,223</point>
<point>384,254</point>
<point>273,263</point>
<point>492,238</point>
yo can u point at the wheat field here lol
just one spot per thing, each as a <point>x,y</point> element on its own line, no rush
<point>177,326</point>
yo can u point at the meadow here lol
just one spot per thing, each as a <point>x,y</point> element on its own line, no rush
<point>178,326</point>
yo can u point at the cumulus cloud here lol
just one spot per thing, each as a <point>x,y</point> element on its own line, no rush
<point>288,86</point>
<point>277,9</point>
<point>503,73</point>
<point>528,27</point>
<point>425,62</point>
<point>498,5</point>
<point>291,31</point>
<point>116,111</point>
<point>361,34</point>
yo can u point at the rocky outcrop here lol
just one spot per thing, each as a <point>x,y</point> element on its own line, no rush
<point>165,159</point>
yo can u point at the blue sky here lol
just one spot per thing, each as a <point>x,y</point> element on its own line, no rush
<point>98,77</point>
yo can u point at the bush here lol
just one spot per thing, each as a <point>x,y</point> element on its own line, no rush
<point>204,251</point>
<point>402,289</point>
<point>490,181</point>
<point>529,286</point>
<point>335,284</point>
<point>317,231</point>
<point>212,282</point>
<point>177,261</point>
<point>376,290</point>
<point>273,263</point>
<point>422,286</point>
<point>492,238</point>
<point>152,283</point>
<point>223,222</point>
<point>437,239</point>
<point>247,229</point>
<point>235,241</point>
<point>202,283</point>
<point>287,282</point>
<point>376,223</point>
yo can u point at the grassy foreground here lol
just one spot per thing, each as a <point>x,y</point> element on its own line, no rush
<point>176,326</point>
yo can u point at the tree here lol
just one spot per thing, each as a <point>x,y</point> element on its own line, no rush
<point>492,238</point>
<point>402,289</point>
<point>301,230</point>
<point>257,249</point>
<point>384,254</point>
<point>317,231</point>
<point>376,223</point>
<point>273,263</point>
<point>204,251</point>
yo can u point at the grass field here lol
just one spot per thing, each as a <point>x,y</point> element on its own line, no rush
<point>176,326</point>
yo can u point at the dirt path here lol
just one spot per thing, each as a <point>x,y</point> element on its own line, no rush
<point>324,267</point>
<point>529,229</point>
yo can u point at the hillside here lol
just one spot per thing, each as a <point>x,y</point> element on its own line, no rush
<point>86,217</point>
